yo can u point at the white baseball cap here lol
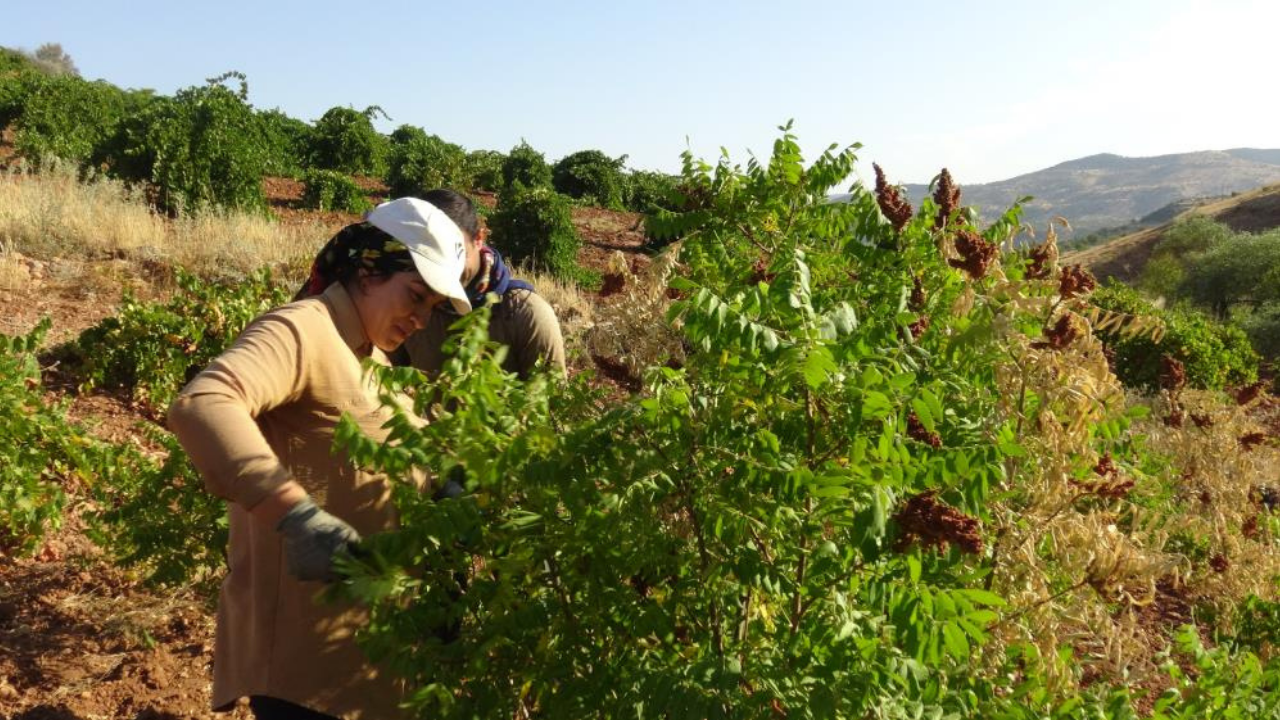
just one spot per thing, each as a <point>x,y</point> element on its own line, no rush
<point>435,243</point>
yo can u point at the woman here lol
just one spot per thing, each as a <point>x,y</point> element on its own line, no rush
<point>522,320</point>
<point>259,425</point>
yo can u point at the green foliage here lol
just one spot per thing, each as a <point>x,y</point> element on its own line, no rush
<point>204,147</point>
<point>1217,683</point>
<point>331,190</point>
<point>724,544</point>
<point>483,169</point>
<point>1263,328</point>
<point>35,446</point>
<point>648,191</point>
<point>155,516</point>
<point>526,167</point>
<point>287,141</point>
<point>1214,355</point>
<point>422,162</point>
<point>345,140</point>
<point>149,513</point>
<point>151,349</point>
<point>1191,236</point>
<point>63,116</point>
<point>535,226</point>
<point>1241,270</point>
<point>591,177</point>
<point>12,61</point>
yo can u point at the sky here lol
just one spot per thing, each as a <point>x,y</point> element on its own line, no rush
<point>990,89</point>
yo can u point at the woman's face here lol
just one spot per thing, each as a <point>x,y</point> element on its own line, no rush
<point>393,307</point>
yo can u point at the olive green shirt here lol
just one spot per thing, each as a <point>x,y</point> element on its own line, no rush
<point>521,320</point>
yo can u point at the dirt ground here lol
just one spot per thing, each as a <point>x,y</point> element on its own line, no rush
<point>82,640</point>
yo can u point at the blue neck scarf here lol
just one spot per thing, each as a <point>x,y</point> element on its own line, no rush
<point>494,277</point>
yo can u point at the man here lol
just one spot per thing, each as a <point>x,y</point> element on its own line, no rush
<point>522,320</point>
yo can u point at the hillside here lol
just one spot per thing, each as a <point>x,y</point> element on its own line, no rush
<point>1124,257</point>
<point>1106,190</point>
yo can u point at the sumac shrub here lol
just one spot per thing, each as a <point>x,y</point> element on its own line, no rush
<point>535,226</point>
<point>591,177</point>
<point>331,190</point>
<point>1214,354</point>
<point>34,445</point>
<point>151,349</point>
<point>420,162</point>
<point>483,170</point>
<point>203,147</point>
<point>647,191</point>
<point>345,140</point>
<point>66,117</point>
<point>287,141</point>
<point>526,167</point>
<point>153,514</point>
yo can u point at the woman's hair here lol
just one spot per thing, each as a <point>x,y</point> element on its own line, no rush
<point>356,247</point>
<point>458,207</point>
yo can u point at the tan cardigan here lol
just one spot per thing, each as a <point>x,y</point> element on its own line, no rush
<point>264,412</point>
<point>522,321</point>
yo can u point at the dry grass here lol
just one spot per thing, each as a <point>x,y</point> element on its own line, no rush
<point>14,272</point>
<point>54,214</point>
<point>573,309</point>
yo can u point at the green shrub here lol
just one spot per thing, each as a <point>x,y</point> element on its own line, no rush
<point>154,515</point>
<point>15,88</point>
<point>1243,269</point>
<point>535,226</point>
<point>331,190</point>
<point>421,162</point>
<point>34,446</point>
<point>591,177</point>
<point>12,61</point>
<point>345,140</point>
<point>151,349</point>
<point>1263,328</point>
<point>1214,355</point>
<point>66,117</point>
<point>647,191</point>
<point>204,147</point>
<point>526,167</point>
<point>287,141</point>
<point>483,170</point>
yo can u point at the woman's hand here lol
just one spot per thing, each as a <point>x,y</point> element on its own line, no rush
<point>312,537</point>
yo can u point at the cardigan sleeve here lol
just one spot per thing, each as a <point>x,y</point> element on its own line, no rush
<point>215,415</point>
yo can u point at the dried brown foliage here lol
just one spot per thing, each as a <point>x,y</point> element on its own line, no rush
<point>919,327</point>
<point>918,296</point>
<point>976,254</point>
<point>760,271</point>
<point>613,283</point>
<point>1173,374</point>
<point>630,332</point>
<point>947,196</point>
<point>1249,393</point>
<point>889,197</point>
<point>1109,485</point>
<point>917,431</point>
<point>1076,281</point>
<point>1249,441</point>
<point>927,522</point>
<point>1043,257</point>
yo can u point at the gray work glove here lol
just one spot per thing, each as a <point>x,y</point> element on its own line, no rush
<point>312,537</point>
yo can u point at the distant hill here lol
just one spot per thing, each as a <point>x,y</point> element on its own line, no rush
<point>1112,191</point>
<point>1124,257</point>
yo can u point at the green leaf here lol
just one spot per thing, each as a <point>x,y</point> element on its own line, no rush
<point>818,366</point>
<point>981,597</point>
<point>956,641</point>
